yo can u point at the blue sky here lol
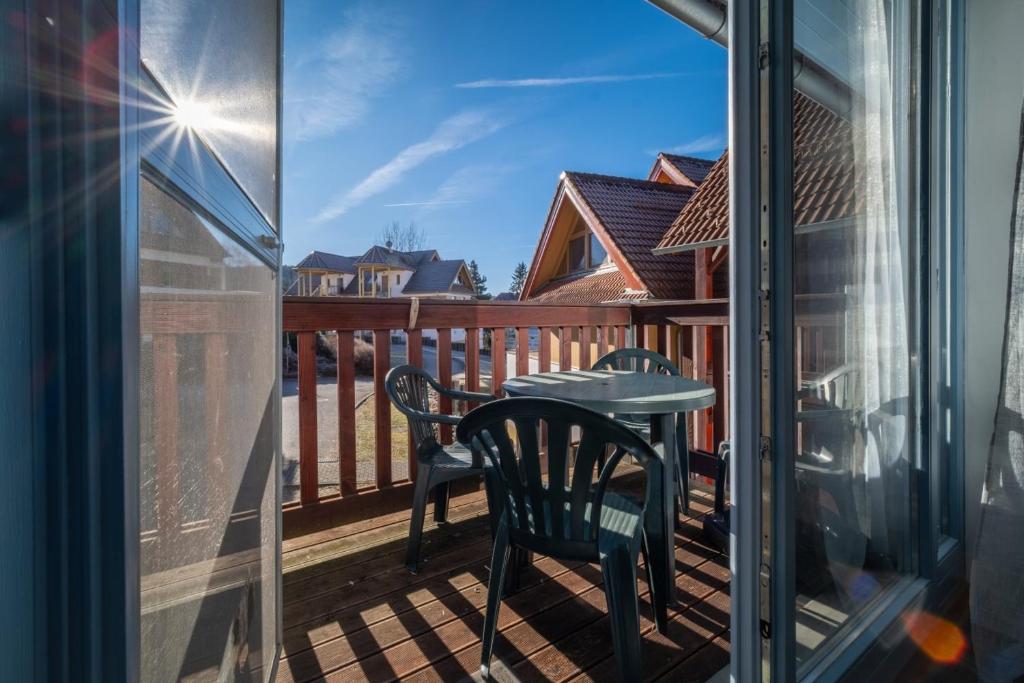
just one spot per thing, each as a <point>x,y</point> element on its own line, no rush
<point>459,115</point>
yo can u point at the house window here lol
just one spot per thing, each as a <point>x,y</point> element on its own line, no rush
<point>398,279</point>
<point>576,257</point>
<point>597,253</point>
<point>584,251</point>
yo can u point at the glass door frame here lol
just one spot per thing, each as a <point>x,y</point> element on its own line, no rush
<point>761,315</point>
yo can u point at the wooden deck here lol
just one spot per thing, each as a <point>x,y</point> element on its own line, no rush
<point>353,612</point>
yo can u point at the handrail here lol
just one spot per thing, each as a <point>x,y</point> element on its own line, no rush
<point>567,337</point>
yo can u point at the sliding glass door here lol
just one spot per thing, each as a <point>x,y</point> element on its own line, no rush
<point>857,342</point>
<point>855,320</point>
<point>209,295</point>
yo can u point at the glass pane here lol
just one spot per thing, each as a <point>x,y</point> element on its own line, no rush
<point>576,254</point>
<point>854,277</point>
<point>597,252</point>
<point>218,63</point>
<point>207,418</point>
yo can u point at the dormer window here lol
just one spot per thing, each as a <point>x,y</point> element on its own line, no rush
<point>584,251</point>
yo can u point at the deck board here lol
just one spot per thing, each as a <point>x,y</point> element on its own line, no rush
<point>352,612</point>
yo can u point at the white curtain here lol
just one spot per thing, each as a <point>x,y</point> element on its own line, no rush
<point>876,317</point>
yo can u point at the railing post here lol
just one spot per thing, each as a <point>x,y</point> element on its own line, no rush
<point>565,349</point>
<point>523,350</point>
<point>216,353</point>
<point>346,413</point>
<point>381,365</point>
<point>544,352</point>
<point>585,341</point>
<point>472,359</point>
<point>414,356</point>
<point>309,475</point>
<point>444,376</point>
<point>497,360</point>
<point>165,437</point>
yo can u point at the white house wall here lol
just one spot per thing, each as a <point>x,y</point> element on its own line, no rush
<point>995,90</point>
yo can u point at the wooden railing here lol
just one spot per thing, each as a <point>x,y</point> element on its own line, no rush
<point>566,337</point>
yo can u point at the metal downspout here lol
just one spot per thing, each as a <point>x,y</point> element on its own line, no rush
<point>710,19</point>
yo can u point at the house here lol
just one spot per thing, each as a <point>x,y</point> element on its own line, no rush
<point>382,272</point>
<point>598,241</point>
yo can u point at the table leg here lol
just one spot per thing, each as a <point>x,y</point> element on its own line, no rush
<point>662,540</point>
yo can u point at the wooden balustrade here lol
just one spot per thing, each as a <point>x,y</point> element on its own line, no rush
<point>577,335</point>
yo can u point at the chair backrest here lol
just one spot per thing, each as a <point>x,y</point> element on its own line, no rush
<point>408,387</point>
<point>550,516</point>
<point>636,360</point>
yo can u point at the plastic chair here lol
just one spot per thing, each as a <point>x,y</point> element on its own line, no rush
<point>569,517</point>
<point>642,360</point>
<point>408,387</point>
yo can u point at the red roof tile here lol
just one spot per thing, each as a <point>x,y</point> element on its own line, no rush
<point>824,183</point>
<point>636,214</point>
<point>593,288</point>
<point>692,167</point>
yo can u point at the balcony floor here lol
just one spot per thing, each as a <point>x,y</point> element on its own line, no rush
<point>352,612</point>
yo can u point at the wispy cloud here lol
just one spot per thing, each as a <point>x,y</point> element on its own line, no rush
<point>466,185</point>
<point>453,133</point>
<point>331,87</point>
<point>702,145</point>
<point>428,202</point>
<point>559,82</point>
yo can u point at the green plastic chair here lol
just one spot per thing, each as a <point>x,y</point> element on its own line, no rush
<point>568,516</point>
<point>642,360</point>
<point>409,387</point>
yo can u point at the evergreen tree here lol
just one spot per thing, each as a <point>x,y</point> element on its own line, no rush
<point>518,279</point>
<point>479,281</point>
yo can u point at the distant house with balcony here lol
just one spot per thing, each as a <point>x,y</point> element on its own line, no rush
<point>382,272</point>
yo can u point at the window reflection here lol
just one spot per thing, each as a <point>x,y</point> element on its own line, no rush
<point>853,247</point>
<point>207,490</point>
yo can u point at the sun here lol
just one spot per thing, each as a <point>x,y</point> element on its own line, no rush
<point>193,116</point>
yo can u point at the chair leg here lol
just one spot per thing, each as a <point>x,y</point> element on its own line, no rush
<point>442,492</point>
<point>619,569</point>
<point>419,510</point>
<point>495,588</point>
<point>657,596</point>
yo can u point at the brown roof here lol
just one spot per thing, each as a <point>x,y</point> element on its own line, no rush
<point>693,168</point>
<point>635,214</point>
<point>824,186</point>
<point>592,288</point>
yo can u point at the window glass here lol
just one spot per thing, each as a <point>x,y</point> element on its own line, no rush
<point>597,252</point>
<point>576,254</point>
<point>854,276</point>
<point>208,509</point>
<point>218,63</point>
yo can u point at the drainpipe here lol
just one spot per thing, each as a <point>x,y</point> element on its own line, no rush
<point>710,19</point>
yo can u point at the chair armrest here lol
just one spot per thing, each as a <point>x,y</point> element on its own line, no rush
<point>438,418</point>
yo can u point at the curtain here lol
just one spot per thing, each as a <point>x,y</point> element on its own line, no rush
<point>997,570</point>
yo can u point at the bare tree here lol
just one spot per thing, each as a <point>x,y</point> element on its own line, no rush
<point>403,238</point>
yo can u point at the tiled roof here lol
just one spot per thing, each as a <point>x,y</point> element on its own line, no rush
<point>436,276</point>
<point>322,260</point>
<point>692,167</point>
<point>824,183</point>
<point>383,256</point>
<point>592,288</point>
<point>635,214</point>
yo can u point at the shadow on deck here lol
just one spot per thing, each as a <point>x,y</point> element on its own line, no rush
<point>352,612</point>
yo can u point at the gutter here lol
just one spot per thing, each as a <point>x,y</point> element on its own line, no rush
<point>710,19</point>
